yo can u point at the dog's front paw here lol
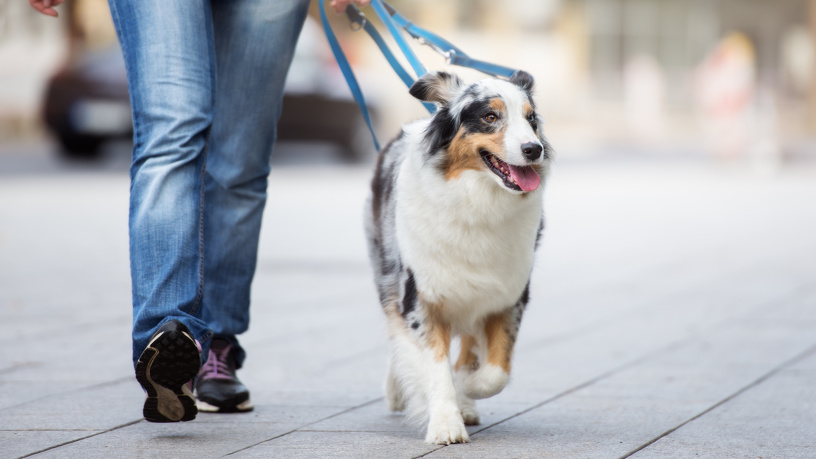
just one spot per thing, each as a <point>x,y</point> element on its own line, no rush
<point>447,429</point>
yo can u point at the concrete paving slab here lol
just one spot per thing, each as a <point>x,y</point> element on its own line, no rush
<point>98,407</point>
<point>13,393</point>
<point>776,418</point>
<point>173,440</point>
<point>19,443</point>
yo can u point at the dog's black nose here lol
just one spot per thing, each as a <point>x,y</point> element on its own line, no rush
<point>532,150</point>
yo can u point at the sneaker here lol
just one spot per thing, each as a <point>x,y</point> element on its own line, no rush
<point>165,370</point>
<point>218,389</point>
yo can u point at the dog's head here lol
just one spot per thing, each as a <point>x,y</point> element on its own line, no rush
<point>490,126</point>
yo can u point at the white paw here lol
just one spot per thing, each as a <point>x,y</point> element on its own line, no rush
<point>445,430</point>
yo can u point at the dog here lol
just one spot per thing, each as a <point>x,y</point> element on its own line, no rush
<point>453,220</point>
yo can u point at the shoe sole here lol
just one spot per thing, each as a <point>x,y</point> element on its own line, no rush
<point>165,367</point>
<point>239,408</point>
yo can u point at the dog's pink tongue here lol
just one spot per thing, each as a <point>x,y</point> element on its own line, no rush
<point>526,177</point>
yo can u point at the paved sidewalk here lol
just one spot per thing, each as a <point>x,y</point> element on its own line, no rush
<point>673,314</point>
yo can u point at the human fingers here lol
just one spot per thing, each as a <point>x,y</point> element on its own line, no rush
<point>45,6</point>
<point>340,5</point>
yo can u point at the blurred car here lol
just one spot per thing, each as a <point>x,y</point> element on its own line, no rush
<point>87,103</point>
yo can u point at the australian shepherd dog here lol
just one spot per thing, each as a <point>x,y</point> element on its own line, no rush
<point>453,222</point>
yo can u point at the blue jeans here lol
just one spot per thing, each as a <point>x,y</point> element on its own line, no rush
<point>206,82</point>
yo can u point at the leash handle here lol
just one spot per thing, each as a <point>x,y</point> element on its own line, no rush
<point>389,22</point>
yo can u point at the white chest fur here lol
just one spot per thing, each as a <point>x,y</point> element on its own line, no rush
<point>469,243</point>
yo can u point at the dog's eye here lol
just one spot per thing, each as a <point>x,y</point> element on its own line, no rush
<point>531,118</point>
<point>490,117</point>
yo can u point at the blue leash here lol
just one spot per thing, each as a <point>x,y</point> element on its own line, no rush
<point>396,23</point>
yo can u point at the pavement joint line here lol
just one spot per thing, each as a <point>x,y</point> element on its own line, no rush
<point>801,356</point>
<point>19,366</point>
<point>51,430</point>
<point>78,389</point>
<point>297,429</point>
<point>83,438</point>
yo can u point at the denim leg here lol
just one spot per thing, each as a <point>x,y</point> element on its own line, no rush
<point>254,44</point>
<point>169,55</point>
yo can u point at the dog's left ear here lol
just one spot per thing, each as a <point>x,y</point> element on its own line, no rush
<point>523,80</point>
<point>436,87</point>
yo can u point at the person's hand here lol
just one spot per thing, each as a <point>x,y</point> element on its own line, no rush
<point>338,5</point>
<point>45,7</point>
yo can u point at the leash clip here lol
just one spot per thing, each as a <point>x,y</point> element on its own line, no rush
<point>357,19</point>
<point>355,26</point>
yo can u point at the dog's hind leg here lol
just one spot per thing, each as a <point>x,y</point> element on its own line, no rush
<point>393,390</point>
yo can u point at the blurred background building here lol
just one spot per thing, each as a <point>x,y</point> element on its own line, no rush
<point>732,79</point>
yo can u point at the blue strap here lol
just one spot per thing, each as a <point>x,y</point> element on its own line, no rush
<point>386,18</point>
<point>437,42</point>
<point>347,72</point>
<point>462,60</point>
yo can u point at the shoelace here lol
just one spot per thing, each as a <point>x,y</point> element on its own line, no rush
<point>217,366</point>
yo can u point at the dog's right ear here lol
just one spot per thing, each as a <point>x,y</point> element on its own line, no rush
<point>436,87</point>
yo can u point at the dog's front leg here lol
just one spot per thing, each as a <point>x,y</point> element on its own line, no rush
<point>483,367</point>
<point>445,425</point>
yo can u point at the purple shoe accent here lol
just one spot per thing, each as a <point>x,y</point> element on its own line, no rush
<point>218,364</point>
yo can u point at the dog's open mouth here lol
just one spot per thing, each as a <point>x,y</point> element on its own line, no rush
<point>519,178</point>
